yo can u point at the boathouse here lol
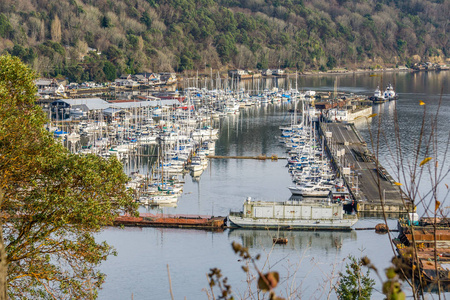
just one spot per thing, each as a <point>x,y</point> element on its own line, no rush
<point>62,108</point>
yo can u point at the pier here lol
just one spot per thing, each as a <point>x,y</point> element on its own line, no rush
<point>369,183</point>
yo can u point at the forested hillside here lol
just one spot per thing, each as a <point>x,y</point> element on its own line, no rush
<point>129,36</point>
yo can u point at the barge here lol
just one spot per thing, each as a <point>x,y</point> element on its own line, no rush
<point>423,247</point>
<point>171,221</point>
<point>293,215</point>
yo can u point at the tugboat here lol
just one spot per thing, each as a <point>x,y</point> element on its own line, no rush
<point>389,93</point>
<point>378,96</point>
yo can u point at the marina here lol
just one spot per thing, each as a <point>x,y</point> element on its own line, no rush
<point>184,141</point>
<point>228,150</point>
<point>252,132</point>
<point>325,153</point>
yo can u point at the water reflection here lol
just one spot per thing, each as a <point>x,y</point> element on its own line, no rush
<point>387,108</point>
<point>325,240</point>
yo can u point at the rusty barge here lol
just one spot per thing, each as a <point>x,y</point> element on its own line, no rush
<point>172,221</point>
<point>423,247</point>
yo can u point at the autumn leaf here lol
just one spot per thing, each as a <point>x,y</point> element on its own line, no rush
<point>372,115</point>
<point>425,161</point>
<point>421,102</point>
<point>436,206</point>
<point>268,281</point>
<point>397,183</point>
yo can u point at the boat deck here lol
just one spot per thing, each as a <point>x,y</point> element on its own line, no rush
<point>172,221</point>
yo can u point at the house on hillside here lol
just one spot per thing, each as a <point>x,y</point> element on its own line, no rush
<point>278,72</point>
<point>50,87</point>
<point>266,72</point>
<point>126,82</point>
<point>98,52</point>
<point>168,78</point>
<point>442,67</point>
<point>237,73</point>
<point>139,78</point>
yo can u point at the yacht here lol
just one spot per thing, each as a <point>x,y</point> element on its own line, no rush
<point>310,190</point>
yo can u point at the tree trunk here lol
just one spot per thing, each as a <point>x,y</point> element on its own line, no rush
<point>3,258</point>
<point>3,268</point>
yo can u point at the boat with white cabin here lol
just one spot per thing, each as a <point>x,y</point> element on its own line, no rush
<point>389,93</point>
<point>293,214</point>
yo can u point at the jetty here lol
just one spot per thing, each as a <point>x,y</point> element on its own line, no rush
<point>370,185</point>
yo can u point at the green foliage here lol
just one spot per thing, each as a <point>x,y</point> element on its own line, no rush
<point>392,287</point>
<point>25,54</point>
<point>288,32</point>
<point>146,19</point>
<point>262,64</point>
<point>76,73</point>
<point>401,45</point>
<point>110,71</point>
<point>94,66</point>
<point>186,62</point>
<point>113,53</point>
<point>354,284</point>
<point>133,40</point>
<point>52,202</point>
<point>105,22</point>
<point>5,26</point>
<point>331,62</point>
<point>153,3</point>
<point>226,47</point>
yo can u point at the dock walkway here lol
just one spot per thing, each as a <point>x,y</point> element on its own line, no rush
<point>370,184</point>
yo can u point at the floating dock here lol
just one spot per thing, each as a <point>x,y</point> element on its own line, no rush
<point>172,221</point>
<point>369,183</point>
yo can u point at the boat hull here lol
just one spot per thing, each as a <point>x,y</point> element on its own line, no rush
<point>292,224</point>
<point>292,214</point>
<point>309,192</point>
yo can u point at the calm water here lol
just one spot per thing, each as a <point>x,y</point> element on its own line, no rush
<point>309,263</point>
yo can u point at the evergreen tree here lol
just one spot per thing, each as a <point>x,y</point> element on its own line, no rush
<point>51,201</point>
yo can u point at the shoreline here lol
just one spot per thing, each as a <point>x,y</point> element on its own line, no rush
<point>224,75</point>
